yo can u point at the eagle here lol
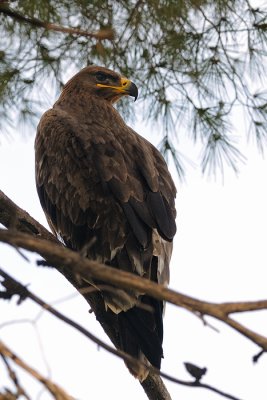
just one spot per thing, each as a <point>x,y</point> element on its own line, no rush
<point>107,193</point>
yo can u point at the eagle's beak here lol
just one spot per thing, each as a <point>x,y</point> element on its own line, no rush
<point>126,88</point>
<point>129,88</point>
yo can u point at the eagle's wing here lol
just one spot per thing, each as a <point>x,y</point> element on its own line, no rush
<point>87,181</point>
<point>107,191</point>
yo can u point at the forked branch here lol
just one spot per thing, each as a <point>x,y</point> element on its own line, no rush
<point>57,392</point>
<point>13,287</point>
<point>24,232</point>
<point>62,258</point>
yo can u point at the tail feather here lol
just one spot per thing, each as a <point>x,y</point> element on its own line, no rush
<point>141,330</point>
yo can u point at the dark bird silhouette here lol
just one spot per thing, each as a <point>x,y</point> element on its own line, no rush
<point>107,193</point>
<point>195,371</point>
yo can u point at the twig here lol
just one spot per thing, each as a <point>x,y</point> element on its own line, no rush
<point>16,288</point>
<point>12,216</point>
<point>13,287</point>
<point>255,358</point>
<point>99,35</point>
<point>14,378</point>
<point>23,222</point>
<point>200,385</point>
<point>53,388</point>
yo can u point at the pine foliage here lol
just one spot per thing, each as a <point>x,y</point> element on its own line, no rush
<point>197,63</point>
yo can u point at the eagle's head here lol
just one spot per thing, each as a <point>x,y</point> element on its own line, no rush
<point>103,82</point>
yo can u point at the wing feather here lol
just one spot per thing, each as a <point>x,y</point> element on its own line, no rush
<point>162,214</point>
<point>109,184</point>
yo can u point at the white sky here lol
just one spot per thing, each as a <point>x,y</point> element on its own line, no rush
<point>220,254</point>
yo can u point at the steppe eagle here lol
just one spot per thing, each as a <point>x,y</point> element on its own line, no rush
<point>107,193</point>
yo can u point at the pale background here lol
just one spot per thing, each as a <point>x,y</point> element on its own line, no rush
<point>220,254</point>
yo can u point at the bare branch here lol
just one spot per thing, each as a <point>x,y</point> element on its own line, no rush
<point>54,389</point>
<point>74,267</point>
<point>13,287</point>
<point>13,217</point>
<point>244,306</point>
<point>61,257</point>
<point>100,35</point>
<point>14,378</point>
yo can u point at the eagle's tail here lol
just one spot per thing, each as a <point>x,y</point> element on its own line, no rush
<point>141,332</point>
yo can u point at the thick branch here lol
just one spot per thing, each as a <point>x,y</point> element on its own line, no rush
<point>100,35</point>
<point>229,308</point>
<point>73,267</point>
<point>13,287</point>
<point>61,257</point>
<point>13,217</point>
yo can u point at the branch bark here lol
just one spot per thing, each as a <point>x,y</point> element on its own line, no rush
<point>14,378</point>
<point>13,287</point>
<point>54,389</point>
<point>66,260</point>
<point>99,35</point>
<point>16,219</point>
<point>74,267</point>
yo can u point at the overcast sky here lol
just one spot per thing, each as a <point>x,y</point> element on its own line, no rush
<point>220,254</point>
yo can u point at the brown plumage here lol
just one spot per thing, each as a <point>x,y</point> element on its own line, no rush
<point>107,192</point>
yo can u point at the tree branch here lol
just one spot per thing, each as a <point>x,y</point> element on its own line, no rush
<point>13,287</point>
<point>54,389</point>
<point>13,217</point>
<point>14,379</point>
<point>99,35</point>
<point>77,269</point>
<point>64,259</point>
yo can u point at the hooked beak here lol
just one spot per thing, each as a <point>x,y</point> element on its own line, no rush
<point>126,88</point>
<point>129,87</point>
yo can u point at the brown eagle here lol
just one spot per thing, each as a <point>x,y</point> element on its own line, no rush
<point>107,193</point>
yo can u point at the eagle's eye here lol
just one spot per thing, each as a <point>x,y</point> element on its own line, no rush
<point>101,77</point>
